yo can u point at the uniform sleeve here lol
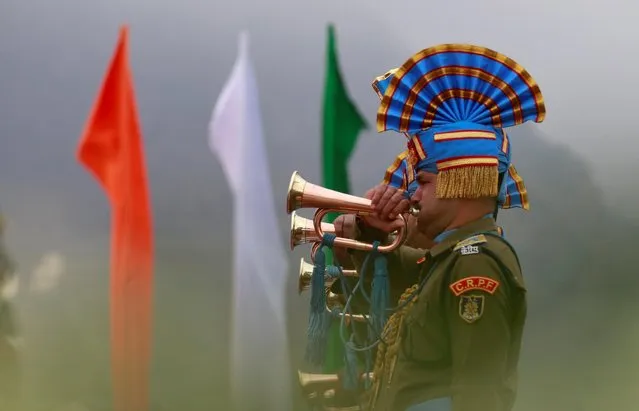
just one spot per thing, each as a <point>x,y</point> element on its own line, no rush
<point>480,334</point>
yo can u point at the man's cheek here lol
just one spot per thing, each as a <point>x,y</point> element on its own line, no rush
<point>424,203</point>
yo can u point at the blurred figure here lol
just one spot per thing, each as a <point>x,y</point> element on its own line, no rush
<point>48,273</point>
<point>9,359</point>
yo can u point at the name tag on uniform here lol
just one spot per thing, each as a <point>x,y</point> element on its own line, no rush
<point>469,249</point>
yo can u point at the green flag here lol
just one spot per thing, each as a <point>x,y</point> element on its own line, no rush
<point>342,123</point>
<point>341,126</point>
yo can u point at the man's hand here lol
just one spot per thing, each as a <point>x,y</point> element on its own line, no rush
<point>345,225</point>
<point>388,203</point>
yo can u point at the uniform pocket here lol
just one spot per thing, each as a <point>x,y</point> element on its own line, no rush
<point>413,341</point>
<point>418,313</point>
<point>424,337</point>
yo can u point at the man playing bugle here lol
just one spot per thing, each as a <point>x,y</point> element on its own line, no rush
<point>453,342</point>
<point>398,175</point>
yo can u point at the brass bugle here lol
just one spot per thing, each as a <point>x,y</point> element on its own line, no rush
<point>359,318</point>
<point>334,300</point>
<point>316,382</point>
<point>306,275</point>
<point>303,230</point>
<point>302,194</point>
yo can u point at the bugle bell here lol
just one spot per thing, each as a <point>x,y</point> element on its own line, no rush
<point>322,382</point>
<point>306,275</point>
<point>303,230</point>
<point>302,194</point>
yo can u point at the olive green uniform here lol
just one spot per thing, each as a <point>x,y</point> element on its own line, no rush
<point>462,336</point>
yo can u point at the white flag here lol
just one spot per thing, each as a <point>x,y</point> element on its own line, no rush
<point>260,373</point>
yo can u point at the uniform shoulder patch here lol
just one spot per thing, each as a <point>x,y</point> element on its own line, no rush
<point>469,245</point>
<point>471,307</point>
<point>474,283</point>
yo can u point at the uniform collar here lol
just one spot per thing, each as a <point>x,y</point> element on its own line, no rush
<point>447,233</point>
<point>448,239</point>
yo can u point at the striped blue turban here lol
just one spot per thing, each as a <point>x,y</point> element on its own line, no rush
<point>453,102</point>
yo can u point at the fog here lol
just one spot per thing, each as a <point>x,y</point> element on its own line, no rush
<point>576,243</point>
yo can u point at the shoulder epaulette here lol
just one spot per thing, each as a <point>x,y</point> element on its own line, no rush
<point>469,245</point>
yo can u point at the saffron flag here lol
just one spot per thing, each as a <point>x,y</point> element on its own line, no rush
<point>260,372</point>
<point>341,126</point>
<point>111,148</point>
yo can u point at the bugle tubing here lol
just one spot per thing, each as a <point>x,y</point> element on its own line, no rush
<point>358,318</point>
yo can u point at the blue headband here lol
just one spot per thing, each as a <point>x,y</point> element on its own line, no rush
<point>513,193</point>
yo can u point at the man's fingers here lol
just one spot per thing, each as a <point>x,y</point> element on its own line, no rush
<point>352,225</point>
<point>339,226</point>
<point>385,198</point>
<point>378,193</point>
<point>373,220</point>
<point>345,225</point>
<point>400,208</point>
<point>370,193</point>
<point>393,202</point>
<point>396,225</point>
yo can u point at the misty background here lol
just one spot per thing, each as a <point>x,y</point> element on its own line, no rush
<point>577,244</point>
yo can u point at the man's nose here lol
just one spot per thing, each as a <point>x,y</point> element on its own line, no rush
<point>412,187</point>
<point>416,197</point>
